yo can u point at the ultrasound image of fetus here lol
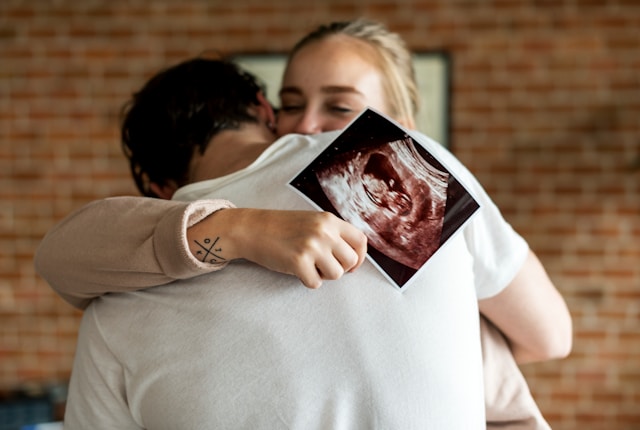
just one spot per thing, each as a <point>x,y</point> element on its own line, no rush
<point>385,190</point>
<point>393,194</point>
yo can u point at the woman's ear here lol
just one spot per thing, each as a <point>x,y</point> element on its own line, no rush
<point>165,191</point>
<point>265,111</point>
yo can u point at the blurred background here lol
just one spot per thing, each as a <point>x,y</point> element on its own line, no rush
<point>544,109</point>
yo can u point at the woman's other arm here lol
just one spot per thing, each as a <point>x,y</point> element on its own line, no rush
<point>532,315</point>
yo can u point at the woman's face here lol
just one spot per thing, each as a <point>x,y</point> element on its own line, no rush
<point>326,84</point>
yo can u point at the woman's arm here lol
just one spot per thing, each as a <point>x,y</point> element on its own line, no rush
<point>515,291</point>
<point>131,243</point>
<point>310,245</point>
<point>532,314</point>
<point>122,244</point>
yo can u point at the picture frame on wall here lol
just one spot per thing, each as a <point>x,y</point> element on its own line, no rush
<point>432,75</point>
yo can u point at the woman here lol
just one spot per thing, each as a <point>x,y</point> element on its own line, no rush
<point>331,75</point>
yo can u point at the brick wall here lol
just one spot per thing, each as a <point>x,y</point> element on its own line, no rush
<point>545,109</point>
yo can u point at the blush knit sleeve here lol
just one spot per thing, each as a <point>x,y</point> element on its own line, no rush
<point>122,244</point>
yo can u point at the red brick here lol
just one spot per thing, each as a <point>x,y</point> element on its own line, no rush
<point>544,111</point>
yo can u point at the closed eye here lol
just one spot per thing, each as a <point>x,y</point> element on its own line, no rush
<point>341,109</point>
<point>291,108</point>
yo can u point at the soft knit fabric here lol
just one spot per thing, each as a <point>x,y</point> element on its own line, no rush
<point>133,243</point>
<point>248,348</point>
<point>510,405</point>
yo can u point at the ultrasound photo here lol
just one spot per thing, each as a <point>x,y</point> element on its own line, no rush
<point>377,177</point>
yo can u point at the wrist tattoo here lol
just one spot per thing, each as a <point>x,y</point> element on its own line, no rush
<point>208,252</point>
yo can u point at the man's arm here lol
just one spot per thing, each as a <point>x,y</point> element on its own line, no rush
<point>532,314</point>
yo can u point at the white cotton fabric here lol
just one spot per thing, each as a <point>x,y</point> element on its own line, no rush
<point>257,350</point>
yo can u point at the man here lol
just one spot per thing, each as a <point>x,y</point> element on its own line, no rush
<point>258,351</point>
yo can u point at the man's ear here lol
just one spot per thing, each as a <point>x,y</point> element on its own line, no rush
<point>265,111</point>
<point>164,191</point>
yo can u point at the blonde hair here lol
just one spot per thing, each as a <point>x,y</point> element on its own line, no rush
<point>393,58</point>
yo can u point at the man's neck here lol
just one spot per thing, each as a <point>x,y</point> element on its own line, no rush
<point>230,151</point>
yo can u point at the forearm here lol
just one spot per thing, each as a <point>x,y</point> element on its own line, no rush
<point>310,245</point>
<point>121,244</point>
<point>131,243</point>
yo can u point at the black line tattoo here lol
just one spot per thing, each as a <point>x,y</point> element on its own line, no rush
<point>215,258</point>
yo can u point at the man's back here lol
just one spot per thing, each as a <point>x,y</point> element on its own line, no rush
<point>259,351</point>
<point>255,349</point>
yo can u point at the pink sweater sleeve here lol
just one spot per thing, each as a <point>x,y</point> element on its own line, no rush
<point>122,244</point>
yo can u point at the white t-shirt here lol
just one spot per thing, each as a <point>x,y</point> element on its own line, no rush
<point>257,350</point>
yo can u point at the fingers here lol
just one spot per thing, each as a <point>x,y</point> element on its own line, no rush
<point>340,253</point>
<point>311,279</point>
<point>313,246</point>
<point>357,243</point>
<point>324,266</point>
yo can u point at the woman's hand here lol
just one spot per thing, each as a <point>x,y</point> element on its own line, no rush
<point>313,246</point>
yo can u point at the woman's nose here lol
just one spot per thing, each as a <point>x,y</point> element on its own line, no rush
<point>308,124</point>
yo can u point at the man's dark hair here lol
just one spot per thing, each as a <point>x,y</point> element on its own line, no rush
<point>178,112</point>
